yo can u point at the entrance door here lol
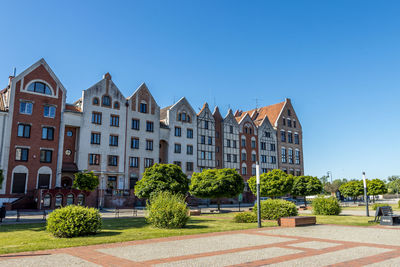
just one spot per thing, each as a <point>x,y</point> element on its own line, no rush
<point>19,182</point>
<point>44,181</point>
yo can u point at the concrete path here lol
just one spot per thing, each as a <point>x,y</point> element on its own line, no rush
<point>320,245</point>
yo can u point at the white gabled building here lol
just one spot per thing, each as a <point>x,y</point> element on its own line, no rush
<point>180,139</point>
<point>205,139</point>
<point>231,146</point>
<point>267,145</point>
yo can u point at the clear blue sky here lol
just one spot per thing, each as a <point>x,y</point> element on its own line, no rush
<point>339,62</point>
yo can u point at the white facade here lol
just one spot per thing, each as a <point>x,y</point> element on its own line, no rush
<point>267,146</point>
<point>205,139</point>
<point>231,144</point>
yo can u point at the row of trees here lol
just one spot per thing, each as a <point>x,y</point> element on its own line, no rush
<point>355,188</point>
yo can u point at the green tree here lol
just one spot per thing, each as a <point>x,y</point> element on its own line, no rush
<point>352,189</point>
<point>216,183</point>
<point>306,186</point>
<point>394,184</point>
<point>273,184</point>
<point>334,186</point>
<point>161,178</point>
<point>85,180</point>
<point>376,187</point>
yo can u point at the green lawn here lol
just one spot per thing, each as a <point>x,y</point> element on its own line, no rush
<point>29,237</point>
<point>395,207</point>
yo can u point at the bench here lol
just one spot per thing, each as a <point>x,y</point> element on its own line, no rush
<point>214,210</point>
<point>297,221</point>
<point>31,213</point>
<point>195,212</point>
<point>384,215</point>
<point>117,212</point>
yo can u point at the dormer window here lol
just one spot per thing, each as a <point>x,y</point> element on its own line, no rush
<point>288,112</point>
<point>106,101</point>
<point>143,107</point>
<point>39,87</point>
<point>116,105</point>
<point>95,101</point>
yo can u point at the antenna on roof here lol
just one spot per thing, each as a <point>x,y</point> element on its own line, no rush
<point>15,71</point>
<point>256,99</point>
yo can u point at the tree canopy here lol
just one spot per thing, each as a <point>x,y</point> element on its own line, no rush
<point>306,186</point>
<point>275,183</point>
<point>376,187</point>
<point>352,189</point>
<point>160,178</point>
<point>334,186</point>
<point>216,183</point>
<point>85,180</point>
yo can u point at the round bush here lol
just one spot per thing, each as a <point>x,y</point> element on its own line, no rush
<point>326,206</point>
<point>167,210</point>
<point>245,217</point>
<point>376,205</point>
<point>273,209</point>
<point>71,221</point>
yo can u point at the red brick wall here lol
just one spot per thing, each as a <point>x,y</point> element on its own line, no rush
<point>69,143</point>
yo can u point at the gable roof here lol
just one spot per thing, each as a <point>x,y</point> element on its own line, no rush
<point>272,112</point>
<point>163,112</point>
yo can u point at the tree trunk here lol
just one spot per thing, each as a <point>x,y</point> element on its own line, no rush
<point>219,205</point>
<point>305,201</point>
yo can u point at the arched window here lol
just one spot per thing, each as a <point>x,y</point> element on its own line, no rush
<point>81,200</point>
<point>39,87</point>
<point>95,101</point>
<point>70,199</point>
<point>183,116</point>
<point>59,200</point>
<point>106,101</point>
<point>116,105</point>
<point>47,201</point>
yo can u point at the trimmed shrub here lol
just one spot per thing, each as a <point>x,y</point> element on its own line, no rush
<point>376,205</point>
<point>167,210</point>
<point>245,217</point>
<point>72,221</point>
<point>273,209</point>
<point>326,206</point>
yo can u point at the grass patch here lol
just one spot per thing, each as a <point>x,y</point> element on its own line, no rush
<point>30,237</point>
<point>343,220</point>
<point>395,207</point>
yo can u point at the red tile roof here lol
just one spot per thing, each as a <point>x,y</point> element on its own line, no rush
<point>72,108</point>
<point>272,112</point>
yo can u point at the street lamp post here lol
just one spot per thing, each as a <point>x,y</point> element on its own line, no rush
<point>365,194</point>
<point>329,173</point>
<point>258,195</point>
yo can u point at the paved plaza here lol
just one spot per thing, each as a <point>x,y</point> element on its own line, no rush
<point>320,245</point>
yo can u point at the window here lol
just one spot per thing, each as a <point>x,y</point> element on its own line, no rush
<point>290,155</point>
<point>253,144</point>
<point>189,150</point>
<point>294,124</point>
<point>216,134</point>
<point>149,126</point>
<point>273,159</point>
<point>70,133</point>
<point>81,200</point>
<point>189,166</point>
<point>106,101</point>
<point>210,155</point>
<point>135,143</point>
<point>217,149</point>
<point>24,130</point>
<point>143,107</point>
<point>298,173</point>
<point>46,155</point>
<point>149,144</point>
<point>264,170</point>
<point>94,159</point>
<point>112,160</point>
<point>113,140</point>
<point>114,120</point>
<point>21,154</point>
<point>47,201</point>
<point>288,112</point>
<point>283,155</point>
<point>59,201</point>
<point>210,140</point>
<point>283,136</point>
<point>228,143</point>
<point>243,142</point>
<point>253,171</point>
<point>284,121</point>
<point>234,143</point>
<point>95,101</point>
<point>228,157</point>
<point>183,117</point>
<point>245,129</point>
<point>134,162</point>
<point>44,181</point>
<point>296,138</point>
<point>250,129</point>
<point>234,157</point>
<point>39,87</point>
<point>263,146</point>
<point>263,158</point>
<point>244,156</point>
<point>231,129</point>
<point>202,155</point>
<point>135,124</point>
<point>297,155</point>
<point>178,131</point>
<point>289,122</point>
<point>205,124</point>
<point>290,138</point>
<point>49,111</point>
<point>189,133</point>
<point>148,162</point>
<point>70,199</point>
<point>267,134</point>
<point>253,157</point>
<point>25,108</point>
<point>19,183</point>
<point>202,139</point>
<point>96,118</point>
<point>178,163</point>
<point>244,170</point>
<point>116,105</point>
<point>177,148</point>
<point>48,133</point>
<point>273,148</point>
<point>95,138</point>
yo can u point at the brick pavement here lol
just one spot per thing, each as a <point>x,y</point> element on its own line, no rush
<point>326,245</point>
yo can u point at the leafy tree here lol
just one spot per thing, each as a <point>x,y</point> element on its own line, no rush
<point>161,178</point>
<point>394,186</point>
<point>306,186</point>
<point>85,180</point>
<point>334,186</point>
<point>393,178</point>
<point>272,184</point>
<point>352,189</point>
<point>216,183</point>
<point>1,178</point>
<point>376,187</point>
